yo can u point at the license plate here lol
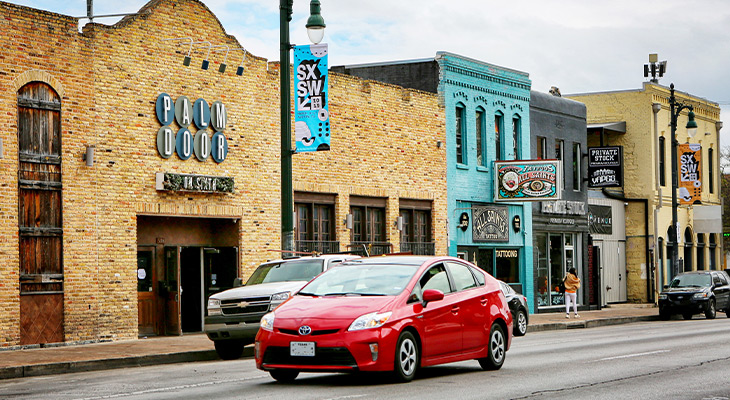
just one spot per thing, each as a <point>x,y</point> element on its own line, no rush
<point>301,349</point>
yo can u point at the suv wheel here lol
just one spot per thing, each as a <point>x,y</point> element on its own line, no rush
<point>664,314</point>
<point>229,349</point>
<point>710,312</point>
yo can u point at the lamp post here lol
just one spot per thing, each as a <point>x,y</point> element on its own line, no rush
<point>675,109</point>
<point>315,30</point>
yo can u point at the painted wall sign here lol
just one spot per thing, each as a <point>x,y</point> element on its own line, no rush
<point>311,108</point>
<point>563,207</point>
<point>511,253</point>
<point>690,173</point>
<point>186,143</point>
<point>193,183</point>
<point>491,224</point>
<point>464,221</point>
<point>605,166</point>
<point>600,219</point>
<point>527,180</point>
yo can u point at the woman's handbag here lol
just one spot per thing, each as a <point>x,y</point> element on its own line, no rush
<point>561,287</point>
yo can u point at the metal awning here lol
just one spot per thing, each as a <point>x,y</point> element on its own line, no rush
<point>608,127</point>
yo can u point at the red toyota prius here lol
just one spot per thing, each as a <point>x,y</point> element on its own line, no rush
<point>392,313</point>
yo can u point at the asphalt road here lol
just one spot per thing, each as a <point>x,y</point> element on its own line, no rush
<point>651,360</point>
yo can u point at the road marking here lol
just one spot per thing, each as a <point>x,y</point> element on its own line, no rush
<point>633,355</point>
<point>171,388</point>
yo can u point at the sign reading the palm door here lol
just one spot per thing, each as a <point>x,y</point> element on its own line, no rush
<point>311,111</point>
<point>204,144</point>
<point>491,224</point>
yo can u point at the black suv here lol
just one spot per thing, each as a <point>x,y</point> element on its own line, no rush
<point>696,292</point>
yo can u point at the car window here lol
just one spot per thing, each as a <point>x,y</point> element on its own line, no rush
<point>506,289</point>
<point>479,275</point>
<point>334,262</point>
<point>716,279</point>
<point>691,280</point>
<point>355,279</point>
<point>723,278</point>
<point>463,278</point>
<point>285,271</point>
<point>436,278</point>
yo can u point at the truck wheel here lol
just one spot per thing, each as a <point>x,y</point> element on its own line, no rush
<point>229,349</point>
<point>710,312</point>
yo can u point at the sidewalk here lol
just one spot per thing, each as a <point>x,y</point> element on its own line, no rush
<point>197,347</point>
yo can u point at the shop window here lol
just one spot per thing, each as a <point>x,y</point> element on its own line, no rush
<point>507,265</point>
<point>541,148</point>
<point>713,248</point>
<point>688,244</point>
<point>416,234</point>
<point>662,162</point>
<point>498,135</point>
<point>559,156</point>
<point>516,138</point>
<point>314,229</point>
<point>711,170</point>
<point>368,228</point>
<point>576,167</point>
<point>700,251</point>
<point>481,156</point>
<point>460,142</point>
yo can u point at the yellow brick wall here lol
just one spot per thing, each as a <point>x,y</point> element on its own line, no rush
<point>383,144</point>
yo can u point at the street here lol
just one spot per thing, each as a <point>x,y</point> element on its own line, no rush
<point>651,360</point>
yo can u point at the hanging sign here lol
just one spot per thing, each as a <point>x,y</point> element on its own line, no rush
<point>690,174</point>
<point>491,224</point>
<point>311,109</point>
<point>605,167</point>
<point>600,219</point>
<point>527,180</point>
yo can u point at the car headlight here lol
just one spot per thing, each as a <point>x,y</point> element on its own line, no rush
<point>372,320</point>
<point>214,307</point>
<point>700,295</point>
<point>278,298</point>
<point>662,297</point>
<point>267,322</point>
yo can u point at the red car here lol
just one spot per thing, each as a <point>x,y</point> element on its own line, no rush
<point>392,313</point>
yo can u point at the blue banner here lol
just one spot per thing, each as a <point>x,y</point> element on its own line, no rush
<point>311,110</point>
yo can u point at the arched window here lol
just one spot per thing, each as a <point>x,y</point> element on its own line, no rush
<point>688,244</point>
<point>713,249</point>
<point>517,137</point>
<point>460,134</point>
<point>662,162</point>
<point>480,138</point>
<point>701,251</point>
<point>498,129</point>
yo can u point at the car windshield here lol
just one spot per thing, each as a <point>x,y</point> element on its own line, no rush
<point>691,280</point>
<point>356,279</point>
<point>288,270</point>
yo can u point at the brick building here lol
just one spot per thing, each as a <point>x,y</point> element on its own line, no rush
<point>105,234</point>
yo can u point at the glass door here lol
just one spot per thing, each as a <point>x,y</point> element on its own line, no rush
<point>557,268</point>
<point>170,291</point>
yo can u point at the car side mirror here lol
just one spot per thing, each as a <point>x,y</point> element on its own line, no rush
<point>430,295</point>
<point>237,282</point>
<point>666,287</point>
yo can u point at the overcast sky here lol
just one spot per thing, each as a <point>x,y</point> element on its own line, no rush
<point>577,45</point>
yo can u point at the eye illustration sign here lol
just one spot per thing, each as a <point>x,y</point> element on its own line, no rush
<point>311,110</point>
<point>690,174</point>
<point>527,180</point>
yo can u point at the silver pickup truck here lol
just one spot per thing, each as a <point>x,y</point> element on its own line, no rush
<point>233,316</point>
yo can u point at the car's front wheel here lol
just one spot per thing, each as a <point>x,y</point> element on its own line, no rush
<point>687,315</point>
<point>284,375</point>
<point>229,349</point>
<point>710,311</point>
<point>406,357</point>
<point>520,323</point>
<point>664,314</point>
<point>497,349</point>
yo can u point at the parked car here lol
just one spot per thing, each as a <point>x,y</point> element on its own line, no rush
<point>233,316</point>
<point>518,307</point>
<point>696,292</point>
<point>390,313</point>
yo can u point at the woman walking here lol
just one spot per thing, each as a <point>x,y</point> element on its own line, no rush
<point>572,284</point>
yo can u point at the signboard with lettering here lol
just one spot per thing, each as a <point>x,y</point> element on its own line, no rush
<point>563,207</point>
<point>193,183</point>
<point>690,173</point>
<point>600,219</point>
<point>490,224</point>
<point>605,166</point>
<point>311,109</point>
<point>527,180</point>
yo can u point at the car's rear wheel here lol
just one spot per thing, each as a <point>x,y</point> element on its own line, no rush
<point>497,349</point>
<point>687,315</point>
<point>284,375</point>
<point>229,349</point>
<point>406,357</point>
<point>710,311</point>
<point>520,323</point>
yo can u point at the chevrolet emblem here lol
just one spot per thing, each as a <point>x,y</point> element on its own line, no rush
<point>243,304</point>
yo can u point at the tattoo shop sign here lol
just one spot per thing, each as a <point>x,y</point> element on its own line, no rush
<point>605,166</point>
<point>527,180</point>
<point>491,224</point>
<point>311,111</point>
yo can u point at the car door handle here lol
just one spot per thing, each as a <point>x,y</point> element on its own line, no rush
<point>455,310</point>
<point>484,301</point>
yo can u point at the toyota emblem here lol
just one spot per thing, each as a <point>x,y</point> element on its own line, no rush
<point>305,330</point>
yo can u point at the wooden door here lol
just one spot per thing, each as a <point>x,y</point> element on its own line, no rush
<point>171,288</point>
<point>146,291</point>
<point>40,214</point>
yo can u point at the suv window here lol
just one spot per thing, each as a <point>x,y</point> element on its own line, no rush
<point>463,278</point>
<point>284,271</point>
<point>716,279</point>
<point>690,280</point>
<point>723,278</point>
<point>436,278</point>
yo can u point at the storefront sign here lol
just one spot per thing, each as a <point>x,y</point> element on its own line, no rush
<point>600,219</point>
<point>516,223</point>
<point>464,221</point>
<point>562,221</point>
<point>564,207</point>
<point>512,253</point>
<point>311,109</point>
<point>527,180</point>
<point>605,166</point>
<point>183,142</point>
<point>690,174</point>
<point>491,224</point>
<point>193,183</point>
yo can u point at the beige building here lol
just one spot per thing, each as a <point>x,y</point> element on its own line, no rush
<point>104,235</point>
<point>639,121</point>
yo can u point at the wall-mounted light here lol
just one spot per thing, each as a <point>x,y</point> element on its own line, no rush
<point>348,221</point>
<point>186,60</point>
<point>222,67</point>
<point>239,70</point>
<point>399,223</point>
<point>439,144</point>
<point>88,156</point>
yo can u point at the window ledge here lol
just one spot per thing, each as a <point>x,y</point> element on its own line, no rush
<point>462,166</point>
<point>483,169</point>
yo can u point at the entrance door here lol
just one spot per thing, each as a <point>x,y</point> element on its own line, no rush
<point>191,289</point>
<point>220,270</point>
<point>146,291</point>
<point>170,291</point>
<point>598,257</point>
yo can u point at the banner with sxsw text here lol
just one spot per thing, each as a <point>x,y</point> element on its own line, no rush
<point>311,111</point>
<point>690,173</point>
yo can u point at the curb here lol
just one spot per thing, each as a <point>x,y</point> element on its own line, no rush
<point>593,323</point>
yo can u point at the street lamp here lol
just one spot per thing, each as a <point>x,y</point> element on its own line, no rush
<point>315,30</point>
<point>675,109</point>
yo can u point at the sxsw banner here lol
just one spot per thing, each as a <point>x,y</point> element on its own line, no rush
<point>311,110</point>
<point>690,174</point>
<point>527,180</point>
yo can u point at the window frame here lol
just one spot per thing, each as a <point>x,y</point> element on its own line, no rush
<point>662,161</point>
<point>460,134</point>
<point>517,137</point>
<point>577,173</point>
<point>541,147</point>
<point>498,130</point>
<point>480,123</point>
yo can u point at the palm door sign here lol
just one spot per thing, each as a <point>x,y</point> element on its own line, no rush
<point>185,112</point>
